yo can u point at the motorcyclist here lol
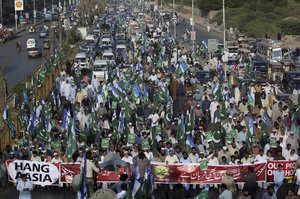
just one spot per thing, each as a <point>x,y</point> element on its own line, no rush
<point>18,46</point>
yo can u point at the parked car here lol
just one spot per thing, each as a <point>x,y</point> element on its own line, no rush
<point>34,52</point>
<point>44,32</point>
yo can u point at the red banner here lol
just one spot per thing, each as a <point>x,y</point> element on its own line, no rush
<point>180,173</point>
<point>288,168</point>
<point>70,170</point>
<point>185,173</point>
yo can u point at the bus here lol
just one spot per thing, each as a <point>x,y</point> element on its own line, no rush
<point>272,51</point>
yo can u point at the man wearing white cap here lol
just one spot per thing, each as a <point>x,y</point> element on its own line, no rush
<point>222,153</point>
<point>24,187</point>
<point>293,141</point>
<point>127,158</point>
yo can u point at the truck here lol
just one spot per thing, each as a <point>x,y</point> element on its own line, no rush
<point>83,32</point>
<point>6,34</point>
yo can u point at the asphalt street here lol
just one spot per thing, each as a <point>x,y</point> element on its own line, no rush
<point>201,32</point>
<point>18,65</point>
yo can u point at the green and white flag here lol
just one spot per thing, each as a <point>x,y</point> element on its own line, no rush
<point>72,144</point>
<point>203,165</point>
<point>105,143</point>
<point>203,194</point>
<point>131,138</point>
<point>208,136</point>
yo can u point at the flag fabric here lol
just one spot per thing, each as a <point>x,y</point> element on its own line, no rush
<point>65,120</point>
<point>266,119</point>
<point>5,112</point>
<point>215,88</point>
<point>135,183</point>
<point>137,90</point>
<point>250,99</point>
<point>114,91</point>
<point>72,144</point>
<point>121,123</point>
<point>189,144</point>
<point>82,194</point>
<point>13,130</point>
<point>203,194</point>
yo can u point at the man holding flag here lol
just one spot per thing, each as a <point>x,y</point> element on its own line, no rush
<point>87,168</point>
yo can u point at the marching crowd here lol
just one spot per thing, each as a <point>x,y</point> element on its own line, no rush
<point>153,108</point>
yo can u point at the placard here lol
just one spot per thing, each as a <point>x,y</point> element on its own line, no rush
<point>105,143</point>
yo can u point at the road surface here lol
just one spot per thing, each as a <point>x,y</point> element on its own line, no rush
<point>18,65</point>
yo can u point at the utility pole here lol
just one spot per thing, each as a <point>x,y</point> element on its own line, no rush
<point>1,10</point>
<point>193,25</point>
<point>162,16</point>
<point>34,12</point>
<point>224,38</point>
<point>174,22</point>
<point>45,9</point>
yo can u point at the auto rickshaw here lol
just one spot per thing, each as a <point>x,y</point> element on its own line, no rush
<point>31,29</point>
<point>275,72</point>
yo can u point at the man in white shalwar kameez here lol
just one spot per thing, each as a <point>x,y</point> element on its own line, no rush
<point>237,95</point>
<point>24,187</point>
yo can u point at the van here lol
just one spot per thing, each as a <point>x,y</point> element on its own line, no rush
<point>108,55</point>
<point>31,43</point>
<point>100,69</point>
<point>81,58</point>
<point>120,49</point>
<point>291,81</point>
<point>106,42</point>
<point>91,39</point>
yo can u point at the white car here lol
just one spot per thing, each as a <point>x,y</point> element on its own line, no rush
<point>100,69</point>
<point>31,43</point>
<point>82,60</point>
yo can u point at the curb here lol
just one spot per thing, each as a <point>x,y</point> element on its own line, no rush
<point>24,29</point>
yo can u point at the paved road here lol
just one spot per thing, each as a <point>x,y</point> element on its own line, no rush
<point>19,66</point>
<point>201,32</point>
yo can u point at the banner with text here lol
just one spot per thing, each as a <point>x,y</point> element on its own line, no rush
<point>192,173</point>
<point>47,173</point>
<point>39,173</point>
<point>288,168</point>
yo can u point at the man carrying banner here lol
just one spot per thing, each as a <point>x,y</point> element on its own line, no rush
<point>24,187</point>
<point>90,167</point>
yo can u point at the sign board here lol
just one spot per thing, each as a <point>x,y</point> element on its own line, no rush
<point>34,13</point>
<point>19,5</point>
<point>145,144</point>
<point>193,35</point>
<point>212,45</point>
<point>39,173</point>
<point>131,138</point>
<point>192,21</point>
<point>105,143</point>
<point>27,15</point>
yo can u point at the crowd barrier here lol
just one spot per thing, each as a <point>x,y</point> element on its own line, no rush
<point>163,173</point>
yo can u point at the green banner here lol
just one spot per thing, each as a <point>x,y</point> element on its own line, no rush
<point>145,144</point>
<point>203,165</point>
<point>114,104</point>
<point>272,142</point>
<point>209,136</point>
<point>56,146</point>
<point>105,143</point>
<point>131,138</point>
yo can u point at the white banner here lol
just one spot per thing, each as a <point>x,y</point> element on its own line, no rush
<point>39,173</point>
<point>19,5</point>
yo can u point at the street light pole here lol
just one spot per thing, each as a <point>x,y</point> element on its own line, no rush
<point>224,38</point>
<point>193,24</point>
<point>34,12</point>
<point>1,10</point>
<point>174,22</point>
<point>45,9</point>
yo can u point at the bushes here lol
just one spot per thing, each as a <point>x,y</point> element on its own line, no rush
<point>290,26</point>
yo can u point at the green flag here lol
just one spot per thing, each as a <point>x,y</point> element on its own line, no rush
<point>203,194</point>
<point>72,144</point>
